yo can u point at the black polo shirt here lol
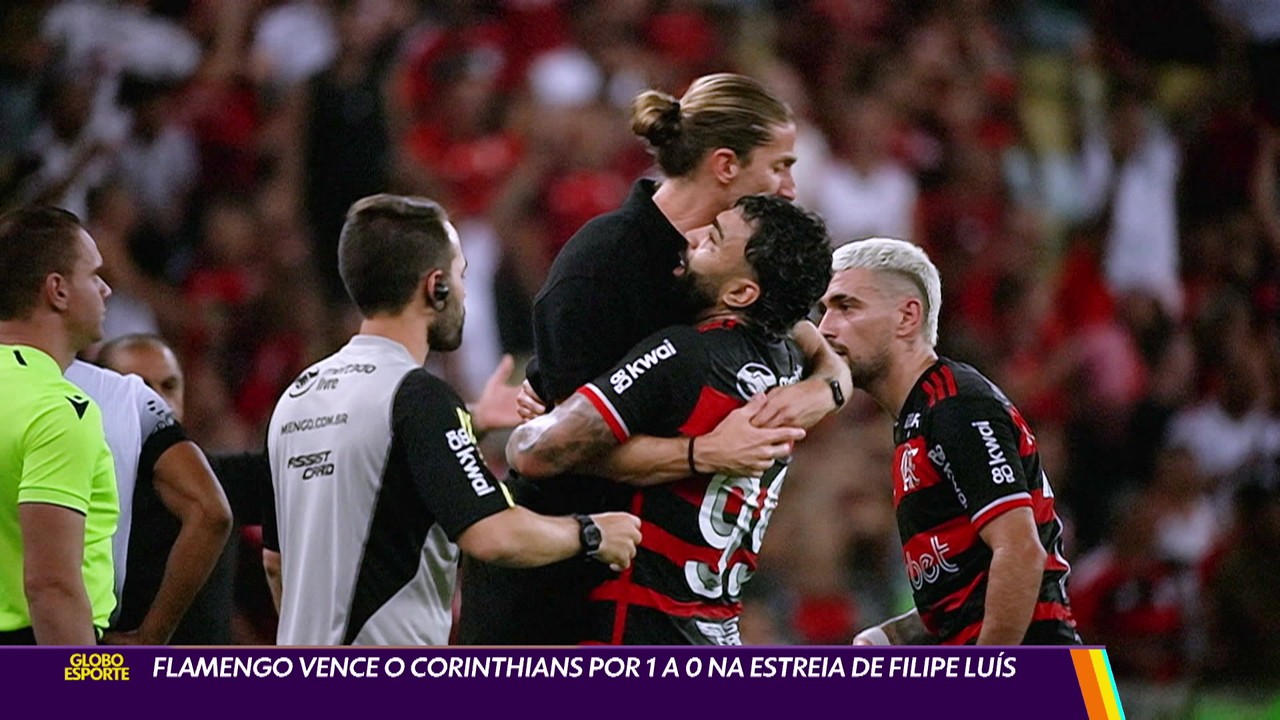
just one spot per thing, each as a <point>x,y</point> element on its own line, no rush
<point>609,288</point>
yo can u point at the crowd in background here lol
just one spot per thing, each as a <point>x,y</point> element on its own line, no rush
<point>1096,180</point>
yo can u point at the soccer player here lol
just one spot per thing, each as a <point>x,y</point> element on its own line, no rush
<point>753,274</point>
<point>153,454</point>
<point>174,516</point>
<point>58,504</point>
<point>981,541</point>
<point>378,480</point>
<point>612,286</point>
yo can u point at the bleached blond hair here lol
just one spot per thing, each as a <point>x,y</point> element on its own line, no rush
<point>903,260</point>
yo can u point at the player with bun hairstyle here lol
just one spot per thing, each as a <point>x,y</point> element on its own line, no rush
<point>614,284</point>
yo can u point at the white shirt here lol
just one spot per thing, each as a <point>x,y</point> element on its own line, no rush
<point>131,413</point>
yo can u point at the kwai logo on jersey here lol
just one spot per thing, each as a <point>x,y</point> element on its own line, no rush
<point>629,373</point>
<point>754,378</point>
<point>462,442</point>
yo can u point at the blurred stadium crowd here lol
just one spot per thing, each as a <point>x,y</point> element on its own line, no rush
<point>1096,180</point>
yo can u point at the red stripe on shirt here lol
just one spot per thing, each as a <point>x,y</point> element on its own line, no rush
<point>950,379</point>
<point>625,594</point>
<point>707,413</point>
<point>965,635</point>
<point>1000,506</point>
<point>679,552</point>
<point>1042,611</point>
<point>953,537</point>
<point>602,406</point>
<point>624,580</point>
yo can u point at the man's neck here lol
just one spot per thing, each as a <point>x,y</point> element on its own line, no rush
<point>718,314</point>
<point>41,336</point>
<point>411,332</point>
<point>685,205</point>
<point>891,391</point>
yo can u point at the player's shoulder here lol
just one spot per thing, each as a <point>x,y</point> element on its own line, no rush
<point>422,388</point>
<point>594,246</point>
<point>108,386</point>
<point>952,389</point>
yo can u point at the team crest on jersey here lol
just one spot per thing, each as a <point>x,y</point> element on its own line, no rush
<point>754,378</point>
<point>304,383</point>
<point>907,468</point>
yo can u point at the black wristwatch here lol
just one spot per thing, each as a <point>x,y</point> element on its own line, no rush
<point>836,393</point>
<point>588,535</point>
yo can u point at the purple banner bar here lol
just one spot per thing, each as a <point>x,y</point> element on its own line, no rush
<point>639,682</point>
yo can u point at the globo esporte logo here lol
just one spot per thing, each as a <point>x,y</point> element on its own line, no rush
<point>96,666</point>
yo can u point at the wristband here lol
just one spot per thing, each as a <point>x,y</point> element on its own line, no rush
<point>875,636</point>
<point>692,468</point>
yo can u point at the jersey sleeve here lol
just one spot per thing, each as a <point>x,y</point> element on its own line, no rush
<point>159,428</point>
<point>980,441</point>
<point>655,387</point>
<point>431,426</point>
<point>61,450</point>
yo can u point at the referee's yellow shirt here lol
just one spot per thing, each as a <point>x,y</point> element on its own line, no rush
<point>52,450</point>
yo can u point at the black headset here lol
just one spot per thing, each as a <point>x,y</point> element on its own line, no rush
<point>440,294</point>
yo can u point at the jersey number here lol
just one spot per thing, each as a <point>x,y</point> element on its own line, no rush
<point>735,513</point>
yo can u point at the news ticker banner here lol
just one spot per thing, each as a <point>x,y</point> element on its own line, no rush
<point>649,682</point>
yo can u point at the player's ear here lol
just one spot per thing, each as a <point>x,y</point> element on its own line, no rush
<point>56,291</point>
<point>740,293</point>
<point>911,316</point>
<point>725,165</point>
<point>430,288</point>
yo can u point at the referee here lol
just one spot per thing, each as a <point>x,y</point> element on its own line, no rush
<point>377,478</point>
<point>58,503</point>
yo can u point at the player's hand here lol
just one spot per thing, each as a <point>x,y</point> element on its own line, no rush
<point>739,447</point>
<point>528,404</point>
<point>801,405</point>
<point>498,405</point>
<point>619,536</point>
<point>112,637</point>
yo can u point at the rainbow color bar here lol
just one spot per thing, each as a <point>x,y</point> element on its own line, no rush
<point>1097,684</point>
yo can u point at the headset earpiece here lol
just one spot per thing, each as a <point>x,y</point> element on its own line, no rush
<point>440,294</point>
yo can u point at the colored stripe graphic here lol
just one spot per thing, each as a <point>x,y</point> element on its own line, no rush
<point>1097,684</point>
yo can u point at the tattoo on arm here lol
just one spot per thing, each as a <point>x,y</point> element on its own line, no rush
<point>567,438</point>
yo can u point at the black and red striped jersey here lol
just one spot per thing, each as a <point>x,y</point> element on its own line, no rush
<point>964,456</point>
<point>700,534</point>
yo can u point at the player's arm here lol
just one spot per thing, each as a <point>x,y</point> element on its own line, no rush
<point>571,436</point>
<point>805,403</point>
<point>656,387</point>
<point>271,568</point>
<point>1013,582</point>
<point>906,629</point>
<point>982,443</point>
<point>271,562</point>
<point>735,447</point>
<point>60,457</point>
<point>519,537</point>
<point>52,555</point>
<point>472,506</point>
<point>187,487</point>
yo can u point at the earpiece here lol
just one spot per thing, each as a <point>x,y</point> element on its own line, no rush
<point>440,294</point>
